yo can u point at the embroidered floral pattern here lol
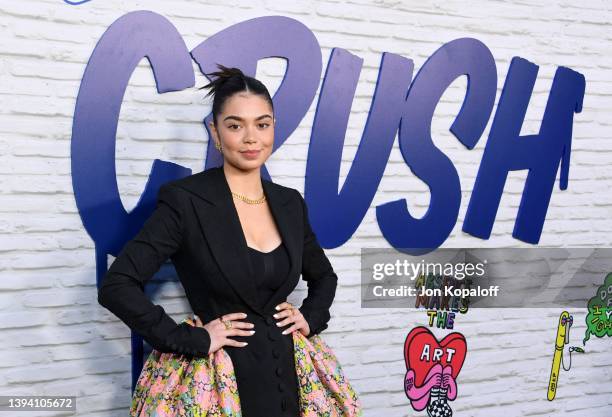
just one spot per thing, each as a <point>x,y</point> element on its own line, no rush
<point>324,390</point>
<point>172,385</point>
<point>175,385</point>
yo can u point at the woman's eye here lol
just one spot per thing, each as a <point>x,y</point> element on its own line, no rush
<point>264,125</point>
<point>232,126</point>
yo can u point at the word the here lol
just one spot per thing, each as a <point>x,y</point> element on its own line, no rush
<point>443,319</point>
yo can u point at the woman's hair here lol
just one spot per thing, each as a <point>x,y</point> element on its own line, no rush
<point>229,81</point>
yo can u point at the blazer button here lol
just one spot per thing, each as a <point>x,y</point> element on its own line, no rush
<point>279,371</point>
<point>281,387</point>
<point>275,353</point>
<point>269,321</point>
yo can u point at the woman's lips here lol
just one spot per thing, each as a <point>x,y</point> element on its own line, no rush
<point>251,154</point>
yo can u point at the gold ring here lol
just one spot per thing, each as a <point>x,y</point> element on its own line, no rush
<point>227,323</point>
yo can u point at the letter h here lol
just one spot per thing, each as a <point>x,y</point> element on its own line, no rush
<point>541,154</point>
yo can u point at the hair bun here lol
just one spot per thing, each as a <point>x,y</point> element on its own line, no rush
<point>228,81</point>
<point>228,72</point>
<point>221,76</point>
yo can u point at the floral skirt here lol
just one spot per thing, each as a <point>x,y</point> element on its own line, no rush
<point>173,385</point>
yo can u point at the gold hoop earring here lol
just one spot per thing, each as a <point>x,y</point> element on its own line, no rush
<point>218,146</point>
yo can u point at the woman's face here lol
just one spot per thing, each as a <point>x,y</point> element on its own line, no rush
<point>246,123</point>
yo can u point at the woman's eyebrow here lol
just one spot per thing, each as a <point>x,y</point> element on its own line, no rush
<point>240,119</point>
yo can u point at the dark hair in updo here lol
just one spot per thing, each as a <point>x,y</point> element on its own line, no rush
<point>229,81</point>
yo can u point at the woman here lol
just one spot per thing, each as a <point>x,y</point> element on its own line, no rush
<point>239,244</point>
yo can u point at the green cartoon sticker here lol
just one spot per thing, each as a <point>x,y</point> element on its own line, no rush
<point>598,320</point>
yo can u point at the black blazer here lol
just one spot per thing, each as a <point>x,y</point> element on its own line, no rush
<point>196,225</point>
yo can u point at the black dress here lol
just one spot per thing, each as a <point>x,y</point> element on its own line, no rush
<point>196,225</point>
<point>270,271</point>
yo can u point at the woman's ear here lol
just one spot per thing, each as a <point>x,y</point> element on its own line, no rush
<point>213,131</point>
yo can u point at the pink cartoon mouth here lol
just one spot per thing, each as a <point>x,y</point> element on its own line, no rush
<point>437,377</point>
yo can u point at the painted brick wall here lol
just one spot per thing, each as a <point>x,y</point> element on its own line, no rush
<point>57,340</point>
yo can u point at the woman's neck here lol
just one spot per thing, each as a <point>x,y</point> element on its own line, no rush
<point>246,183</point>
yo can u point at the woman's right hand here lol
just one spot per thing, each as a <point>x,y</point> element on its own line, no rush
<point>220,335</point>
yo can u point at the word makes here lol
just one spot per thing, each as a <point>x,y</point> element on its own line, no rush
<point>432,293</point>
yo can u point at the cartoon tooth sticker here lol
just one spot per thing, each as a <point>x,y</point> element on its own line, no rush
<point>432,369</point>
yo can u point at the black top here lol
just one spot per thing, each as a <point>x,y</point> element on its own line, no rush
<point>270,271</point>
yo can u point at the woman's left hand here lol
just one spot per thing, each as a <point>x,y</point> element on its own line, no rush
<point>291,314</point>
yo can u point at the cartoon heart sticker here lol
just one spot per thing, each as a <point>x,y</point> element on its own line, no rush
<point>422,351</point>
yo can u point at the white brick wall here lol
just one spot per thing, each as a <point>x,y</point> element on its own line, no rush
<point>57,340</point>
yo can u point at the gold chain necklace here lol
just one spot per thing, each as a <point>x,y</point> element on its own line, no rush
<point>249,200</point>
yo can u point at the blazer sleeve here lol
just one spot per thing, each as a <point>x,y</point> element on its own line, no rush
<point>122,288</point>
<point>321,279</point>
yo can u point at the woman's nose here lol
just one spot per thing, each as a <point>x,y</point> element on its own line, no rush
<point>249,138</point>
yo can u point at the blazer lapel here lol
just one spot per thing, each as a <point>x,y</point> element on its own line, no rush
<point>290,227</point>
<point>219,221</point>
